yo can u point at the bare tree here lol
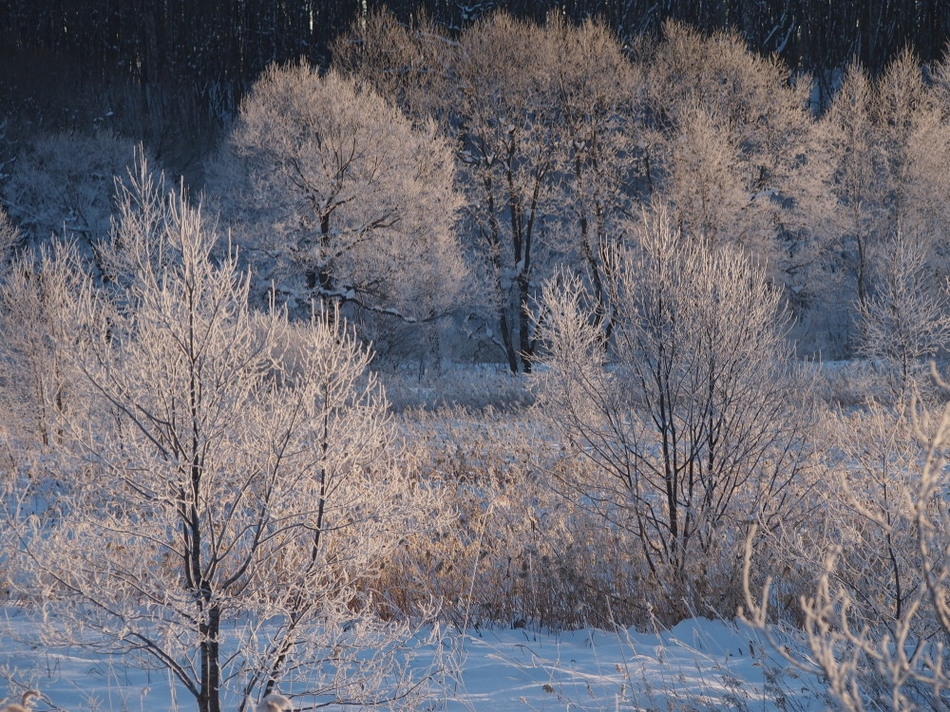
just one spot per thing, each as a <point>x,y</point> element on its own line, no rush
<point>348,201</point>
<point>686,412</point>
<point>229,489</point>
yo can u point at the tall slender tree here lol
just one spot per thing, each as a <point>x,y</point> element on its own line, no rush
<point>505,117</point>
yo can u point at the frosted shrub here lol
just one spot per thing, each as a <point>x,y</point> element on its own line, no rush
<point>517,552</point>
<point>875,617</point>
<point>62,184</point>
<point>9,236</point>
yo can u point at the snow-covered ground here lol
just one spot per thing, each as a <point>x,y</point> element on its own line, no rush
<point>698,665</point>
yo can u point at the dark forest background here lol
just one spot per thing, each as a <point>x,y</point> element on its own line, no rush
<point>232,40</point>
<point>171,72</point>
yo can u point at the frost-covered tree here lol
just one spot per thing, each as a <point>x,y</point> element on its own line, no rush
<point>505,114</point>
<point>902,107</point>
<point>406,64</point>
<point>341,198</point>
<point>136,237</point>
<point>906,319</point>
<point>886,140</point>
<point>546,143</point>
<point>851,133</point>
<point>37,378</point>
<point>729,142</point>
<point>227,492</point>
<point>595,88</point>
<point>684,413</point>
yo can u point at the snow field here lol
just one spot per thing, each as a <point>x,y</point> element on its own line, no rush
<point>700,665</point>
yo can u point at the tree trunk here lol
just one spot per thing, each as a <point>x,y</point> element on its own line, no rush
<point>209,699</point>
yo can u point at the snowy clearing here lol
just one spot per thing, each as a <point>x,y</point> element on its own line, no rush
<point>700,664</point>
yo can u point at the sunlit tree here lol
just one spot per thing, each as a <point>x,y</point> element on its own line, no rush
<point>339,198</point>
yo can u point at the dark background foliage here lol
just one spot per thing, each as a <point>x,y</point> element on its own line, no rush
<point>171,72</point>
<point>232,40</point>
